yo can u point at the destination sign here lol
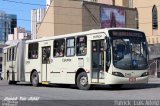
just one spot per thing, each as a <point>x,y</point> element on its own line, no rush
<point>126,33</point>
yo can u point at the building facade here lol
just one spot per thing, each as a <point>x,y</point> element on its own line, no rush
<point>19,33</point>
<point>148,17</point>
<point>7,24</point>
<point>37,16</point>
<point>66,16</point>
<point>110,2</point>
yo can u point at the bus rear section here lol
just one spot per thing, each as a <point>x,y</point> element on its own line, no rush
<point>13,62</point>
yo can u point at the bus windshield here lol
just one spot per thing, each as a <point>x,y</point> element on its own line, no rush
<point>130,52</point>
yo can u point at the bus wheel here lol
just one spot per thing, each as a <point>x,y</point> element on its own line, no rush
<point>82,81</point>
<point>35,79</point>
<point>116,86</point>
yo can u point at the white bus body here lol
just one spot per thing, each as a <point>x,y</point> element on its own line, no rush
<point>84,58</point>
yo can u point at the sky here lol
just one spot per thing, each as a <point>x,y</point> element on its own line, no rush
<point>23,11</point>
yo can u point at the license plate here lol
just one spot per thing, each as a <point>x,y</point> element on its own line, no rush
<point>132,79</point>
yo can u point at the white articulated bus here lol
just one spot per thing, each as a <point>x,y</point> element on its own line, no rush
<point>113,56</point>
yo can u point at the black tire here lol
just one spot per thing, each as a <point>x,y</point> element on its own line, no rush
<point>82,81</point>
<point>10,82</point>
<point>116,86</point>
<point>35,79</point>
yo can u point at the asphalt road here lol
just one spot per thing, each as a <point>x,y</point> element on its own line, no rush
<point>53,92</point>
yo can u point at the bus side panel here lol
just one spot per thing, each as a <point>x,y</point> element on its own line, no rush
<point>64,68</point>
<point>13,63</point>
<point>58,71</point>
<point>31,64</point>
<point>10,71</point>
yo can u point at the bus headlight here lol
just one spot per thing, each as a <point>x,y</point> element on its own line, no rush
<point>117,74</point>
<point>145,74</point>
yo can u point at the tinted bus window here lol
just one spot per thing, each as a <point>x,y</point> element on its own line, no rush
<point>81,45</point>
<point>59,48</point>
<point>33,51</point>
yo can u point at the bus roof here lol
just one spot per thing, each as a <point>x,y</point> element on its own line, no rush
<point>105,30</point>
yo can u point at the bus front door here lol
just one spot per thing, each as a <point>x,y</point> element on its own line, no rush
<point>46,52</point>
<point>97,61</point>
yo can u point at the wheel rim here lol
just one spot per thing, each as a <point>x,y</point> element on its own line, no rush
<point>83,80</point>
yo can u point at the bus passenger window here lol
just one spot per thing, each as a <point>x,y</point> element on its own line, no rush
<point>15,53</point>
<point>10,50</point>
<point>81,45</point>
<point>70,51</point>
<point>7,54</point>
<point>12,53</point>
<point>59,48</point>
<point>33,51</point>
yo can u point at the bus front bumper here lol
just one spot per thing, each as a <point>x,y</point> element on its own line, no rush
<point>111,79</point>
